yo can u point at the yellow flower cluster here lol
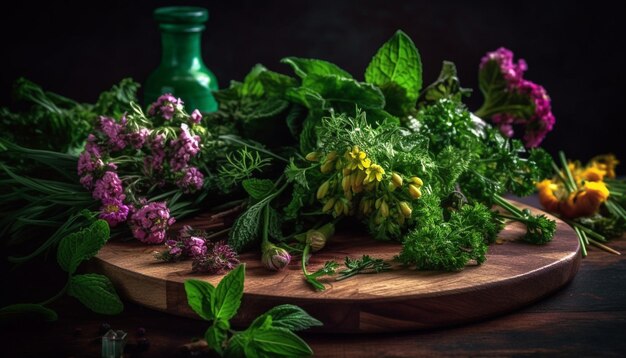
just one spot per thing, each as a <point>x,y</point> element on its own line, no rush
<point>591,191</point>
<point>355,181</point>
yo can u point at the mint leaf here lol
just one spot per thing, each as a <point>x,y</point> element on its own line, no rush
<point>306,97</point>
<point>215,338</point>
<point>258,188</point>
<point>236,345</point>
<point>199,296</point>
<point>246,227</point>
<point>304,67</point>
<point>96,292</point>
<point>82,245</point>
<point>276,84</point>
<point>334,88</point>
<point>276,342</point>
<point>27,311</point>
<point>397,67</point>
<point>291,317</point>
<point>228,294</point>
<point>252,86</point>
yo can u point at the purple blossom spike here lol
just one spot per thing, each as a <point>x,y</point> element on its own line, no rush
<point>191,181</point>
<point>114,132</point>
<point>196,116</point>
<point>138,139</point>
<point>113,211</point>
<point>166,106</point>
<point>184,148</point>
<point>219,258</point>
<point>109,187</point>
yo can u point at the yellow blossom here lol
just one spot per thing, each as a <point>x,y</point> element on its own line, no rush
<point>374,173</point>
<point>357,159</point>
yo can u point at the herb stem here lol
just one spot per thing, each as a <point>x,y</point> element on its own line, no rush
<point>59,294</point>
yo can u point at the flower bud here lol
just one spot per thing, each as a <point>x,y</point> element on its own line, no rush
<point>400,219</point>
<point>396,179</point>
<point>330,204</point>
<point>417,181</point>
<point>384,209</point>
<point>338,208</point>
<point>406,209</point>
<point>331,156</point>
<point>346,171</point>
<point>327,167</point>
<point>345,184</point>
<point>323,190</point>
<point>275,258</point>
<point>316,239</point>
<point>313,157</point>
<point>414,191</point>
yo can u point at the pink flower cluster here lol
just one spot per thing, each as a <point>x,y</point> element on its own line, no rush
<point>166,106</point>
<point>542,120</point>
<point>219,258</point>
<point>191,181</point>
<point>149,224</point>
<point>184,148</point>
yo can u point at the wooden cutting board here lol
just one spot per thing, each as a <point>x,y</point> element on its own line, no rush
<point>515,274</point>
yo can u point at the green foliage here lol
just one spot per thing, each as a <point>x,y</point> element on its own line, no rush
<point>364,265</point>
<point>96,292</point>
<point>258,188</point>
<point>498,99</point>
<point>270,334</point>
<point>397,70</point>
<point>304,67</point>
<point>447,86</point>
<point>27,311</point>
<point>239,166</point>
<point>82,245</point>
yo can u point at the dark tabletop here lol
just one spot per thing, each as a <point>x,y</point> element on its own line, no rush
<point>585,318</point>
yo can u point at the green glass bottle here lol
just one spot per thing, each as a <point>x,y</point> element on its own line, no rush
<point>182,71</point>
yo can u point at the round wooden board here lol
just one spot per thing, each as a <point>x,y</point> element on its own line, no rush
<point>515,274</point>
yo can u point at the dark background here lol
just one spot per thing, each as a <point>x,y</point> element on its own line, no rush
<point>575,50</point>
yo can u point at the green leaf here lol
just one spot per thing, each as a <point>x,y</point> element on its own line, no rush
<point>27,311</point>
<point>291,317</point>
<point>228,294</point>
<point>252,86</point>
<point>199,297</point>
<point>258,188</point>
<point>306,97</point>
<point>397,65</point>
<point>276,84</point>
<point>304,67</point>
<point>447,85</point>
<point>83,245</point>
<point>308,136</point>
<point>277,342</point>
<point>334,88</point>
<point>246,227</point>
<point>236,345</point>
<point>215,338</point>
<point>96,292</point>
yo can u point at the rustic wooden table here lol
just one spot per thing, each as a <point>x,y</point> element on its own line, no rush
<point>586,318</point>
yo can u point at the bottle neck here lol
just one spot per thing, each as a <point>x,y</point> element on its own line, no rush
<point>181,50</point>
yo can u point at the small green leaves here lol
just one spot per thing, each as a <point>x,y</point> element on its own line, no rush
<point>83,245</point>
<point>275,342</point>
<point>96,292</point>
<point>199,294</point>
<point>27,311</point>
<point>397,68</point>
<point>228,294</point>
<point>289,317</point>
<point>304,67</point>
<point>258,188</point>
<point>215,337</point>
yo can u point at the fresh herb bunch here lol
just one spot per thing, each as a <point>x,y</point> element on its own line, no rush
<point>412,164</point>
<point>270,334</point>
<point>50,121</point>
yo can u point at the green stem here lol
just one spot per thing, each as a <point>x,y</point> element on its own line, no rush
<point>581,238</point>
<point>570,178</point>
<point>59,294</point>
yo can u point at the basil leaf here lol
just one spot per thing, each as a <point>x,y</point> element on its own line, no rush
<point>276,84</point>
<point>215,338</point>
<point>251,84</point>
<point>334,88</point>
<point>27,311</point>
<point>277,342</point>
<point>306,97</point>
<point>82,245</point>
<point>199,297</point>
<point>304,67</point>
<point>291,317</point>
<point>236,345</point>
<point>258,188</point>
<point>96,292</point>
<point>395,67</point>
<point>228,294</point>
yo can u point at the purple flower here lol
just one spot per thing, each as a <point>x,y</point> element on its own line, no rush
<point>184,148</point>
<point>113,211</point>
<point>195,246</point>
<point>196,116</point>
<point>109,187</point>
<point>191,181</point>
<point>114,131</point>
<point>87,181</point>
<point>138,138</point>
<point>149,224</point>
<point>275,258</point>
<point>154,162</point>
<point>165,106</point>
<point>512,72</point>
<point>219,258</point>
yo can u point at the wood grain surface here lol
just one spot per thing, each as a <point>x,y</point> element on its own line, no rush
<point>515,274</point>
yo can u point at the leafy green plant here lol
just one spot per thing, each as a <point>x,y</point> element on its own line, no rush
<point>269,335</point>
<point>95,291</point>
